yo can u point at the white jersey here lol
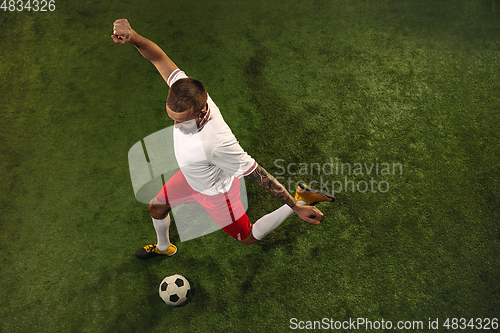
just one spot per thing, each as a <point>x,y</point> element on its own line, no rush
<point>209,156</point>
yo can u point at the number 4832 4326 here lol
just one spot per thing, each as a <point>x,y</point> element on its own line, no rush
<point>29,5</point>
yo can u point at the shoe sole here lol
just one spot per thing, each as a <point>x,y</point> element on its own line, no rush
<point>327,195</point>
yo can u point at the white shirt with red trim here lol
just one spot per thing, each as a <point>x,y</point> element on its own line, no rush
<point>209,156</point>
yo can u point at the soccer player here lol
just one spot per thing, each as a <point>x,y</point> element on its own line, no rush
<point>211,161</point>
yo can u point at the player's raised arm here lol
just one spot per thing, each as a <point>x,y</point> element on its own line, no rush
<point>265,180</point>
<point>123,33</point>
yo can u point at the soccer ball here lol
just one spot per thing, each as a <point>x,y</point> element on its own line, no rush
<point>175,290</point>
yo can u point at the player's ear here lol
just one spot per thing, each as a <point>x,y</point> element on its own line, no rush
<point>203,111</point>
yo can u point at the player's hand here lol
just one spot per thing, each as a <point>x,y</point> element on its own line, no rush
<point>309,214</point>
<point>122,31</point>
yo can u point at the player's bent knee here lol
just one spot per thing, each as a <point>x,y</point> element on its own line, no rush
<point>249,240</point>
<point>158,212</point>
<point>157,209</point>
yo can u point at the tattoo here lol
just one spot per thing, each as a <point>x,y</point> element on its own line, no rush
<point>273,186</point>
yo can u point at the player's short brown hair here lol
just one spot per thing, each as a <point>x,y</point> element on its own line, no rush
<point>187,94</point>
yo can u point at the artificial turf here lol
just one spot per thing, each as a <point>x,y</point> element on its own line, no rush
<point>409,83</point>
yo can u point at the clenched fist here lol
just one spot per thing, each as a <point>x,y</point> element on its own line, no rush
<point>122,32</point>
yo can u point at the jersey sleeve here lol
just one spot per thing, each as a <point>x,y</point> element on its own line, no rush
<point>176,75</point>
<point>231,158</point>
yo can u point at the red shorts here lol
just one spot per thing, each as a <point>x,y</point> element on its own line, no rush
<point>226,208</point>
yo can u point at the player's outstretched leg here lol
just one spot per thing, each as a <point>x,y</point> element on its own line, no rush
<point>266,224</point>
<point>161,221</point>
<point>312,196</point>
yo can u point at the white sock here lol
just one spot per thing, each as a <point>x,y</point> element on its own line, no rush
<point>161,228</point>
<point>271,221</point>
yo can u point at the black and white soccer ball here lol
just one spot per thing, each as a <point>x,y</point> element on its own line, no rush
<point>175,290</point>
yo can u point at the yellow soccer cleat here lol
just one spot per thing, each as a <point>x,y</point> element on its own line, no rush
<point>312,196</point>
<point>151,251</point>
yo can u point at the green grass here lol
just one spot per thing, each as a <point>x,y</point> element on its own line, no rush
<point>410,82</point>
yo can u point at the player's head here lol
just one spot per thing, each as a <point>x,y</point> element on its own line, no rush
<point>186,99</point>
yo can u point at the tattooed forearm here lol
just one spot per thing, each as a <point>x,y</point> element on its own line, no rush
<point>268,182</point>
